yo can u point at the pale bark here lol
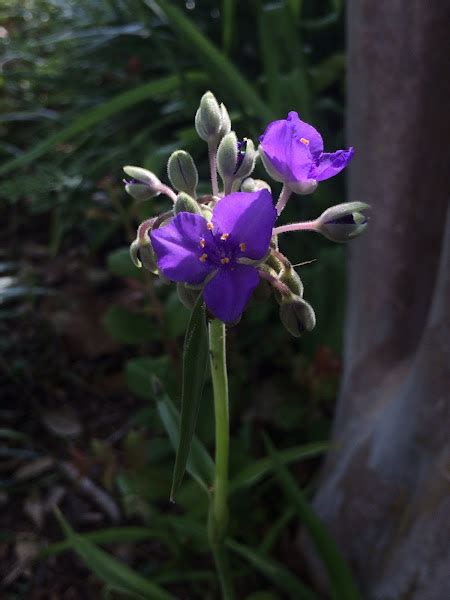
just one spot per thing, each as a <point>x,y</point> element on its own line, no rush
<point>385,489</point>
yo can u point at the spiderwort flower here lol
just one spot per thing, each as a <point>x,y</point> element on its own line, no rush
<point>217,253</point>
<point>292,152</point>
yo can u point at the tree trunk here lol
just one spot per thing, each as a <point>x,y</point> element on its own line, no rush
<point>385,490</point>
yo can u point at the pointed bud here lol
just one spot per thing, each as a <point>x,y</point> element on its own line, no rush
<point>188,296</point>
<point>343,222</point>
<point>143,184</point>
<point>182,172</point>
<point>185,203</point>
<point>254,185</point>
<point>226,121</point>
<point>297,316</point>
<point>291,278</point>
<point>209,118</point>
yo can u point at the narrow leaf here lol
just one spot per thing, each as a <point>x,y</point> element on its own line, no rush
<point>110,570</point>
<point>214,60</point>
<point>228,21</point>
<point>199,464</point>
<point>96,115</point>
<point>255,471</point>
<point>341,579</point>
<point>274,571</point>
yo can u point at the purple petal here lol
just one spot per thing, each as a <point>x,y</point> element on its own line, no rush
<point>248,218</point>
<point>228,292</point>
<point>331,164</point>
<point>291,146</point>
<point>178,251</point>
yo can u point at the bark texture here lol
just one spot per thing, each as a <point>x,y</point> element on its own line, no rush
<point>385,491</point>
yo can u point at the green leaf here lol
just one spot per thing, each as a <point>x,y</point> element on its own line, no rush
<point>96,115</point>
<point>228,10</point>
<point>176,316</point>
<point>199,464</point>
<point>129,327</point>
<point>195,362</point>
<point>214,60</point>
<point>110,570</point>
<point>119,263</point>
<point>274,571</point>
<point>140,371</point>
<point>255,471</point>
<point>341,580</point>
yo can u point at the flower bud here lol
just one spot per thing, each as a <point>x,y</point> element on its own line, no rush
<point>142,254</point>
<point>226,121</point>
<point>209,119</point>
<point>254,185</point>
<point>182,172</point>
<point>297,316</point>
<point>188,296</point>
<point>343,222</point>
<point>185,203</point>
<point>291,278</point>
<point>235,159</point>
<point>143,184</point>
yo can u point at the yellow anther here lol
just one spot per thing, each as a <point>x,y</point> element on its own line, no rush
<point>203,257</point>
<point>210,226</point>
<point>225,260</point>
<point>304,141</point>
<point>242,246</point>
<point>202,243</point>
<point>224,236</point>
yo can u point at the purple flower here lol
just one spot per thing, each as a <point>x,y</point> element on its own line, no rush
<point>292,152</point>
<point>191,250</point>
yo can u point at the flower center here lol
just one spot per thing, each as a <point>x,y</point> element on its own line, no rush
<point>218,248</point>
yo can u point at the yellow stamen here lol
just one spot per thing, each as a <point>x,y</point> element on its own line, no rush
<point>224,236</point>
<point>203,257</point>
<point>202,243</point>
<point>304,141</point>
<point>225,260</point>
<point>242,246</point>
<point>210,226</point>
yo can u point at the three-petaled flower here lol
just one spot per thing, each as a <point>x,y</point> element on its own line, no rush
<point>292,152</point>
<point>217,253</point>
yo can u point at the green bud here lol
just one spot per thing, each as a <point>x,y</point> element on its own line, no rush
<point>291,278</point>
<point>143,184</point>
<point>185,203</point>
<point>182,172</point>
<point>188,296</point>
<point>297,316</point>
<point>227,156</point>
<point>254,185</point>
<point>226,121</point>
<point>343,222</point>
<point>209,118</point>
<point>142,254</point>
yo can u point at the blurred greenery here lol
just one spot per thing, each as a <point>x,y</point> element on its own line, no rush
<point>87,87</point>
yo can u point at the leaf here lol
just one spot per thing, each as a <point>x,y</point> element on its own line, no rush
<point>274,571</point>
<point>119,263</point>
<point>195,361</point>
<point>139,373</point>
<point>97,114</point>
<point>214,60</point>
<point>255,471</point>
<point>228,20</point>
<point>110,570</point>
<point>129,327</point>
<point>176,316</point>
<point>341,580</point>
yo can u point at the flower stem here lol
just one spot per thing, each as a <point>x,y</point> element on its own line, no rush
<point>218,515</point>
<point>305,226</point>
<point>212,155</point>
<point>283,198</point>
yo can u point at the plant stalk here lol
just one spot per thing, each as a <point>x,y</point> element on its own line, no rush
<point>218,514</point>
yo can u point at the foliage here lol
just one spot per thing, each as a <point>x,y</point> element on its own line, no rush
<point>90,86</point>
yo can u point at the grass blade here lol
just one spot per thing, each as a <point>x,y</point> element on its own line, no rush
<point>114,573</point>
<point>274,571</point>
<point>228,10</point>
<point>195,361</point>
<point>199,464</point>
<point>214,60</point>
<point>257,470</point>
<point>96,115</point>
<point>341,580</point>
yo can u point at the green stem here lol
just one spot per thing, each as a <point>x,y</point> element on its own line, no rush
<point>218,516</point>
